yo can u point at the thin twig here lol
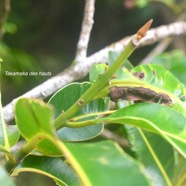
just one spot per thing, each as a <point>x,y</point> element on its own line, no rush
<point>86,28</point>
<point>80,70</point>
<point>4,10</point>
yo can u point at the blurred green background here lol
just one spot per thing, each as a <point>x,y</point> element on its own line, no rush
<point>42,36</point>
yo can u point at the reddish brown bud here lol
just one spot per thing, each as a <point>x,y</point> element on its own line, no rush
<point>143,30</point>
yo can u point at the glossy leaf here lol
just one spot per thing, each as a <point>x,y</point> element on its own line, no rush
<point>104,163</point>
<point>54,168</point>
<point>156,78</point>
<point>174,61</point>
<point>168,123</point>
<point>5,180</point>
<point>33,118</point>
<point>159,77</point>
<point>154,153</point>
<point>65,98</point>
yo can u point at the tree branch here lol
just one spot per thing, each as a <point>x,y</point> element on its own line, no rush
<point>86,28</point>
<point>80,70</point>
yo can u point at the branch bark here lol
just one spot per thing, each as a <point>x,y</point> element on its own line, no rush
<point>79,70</point>
<point>86,29</point>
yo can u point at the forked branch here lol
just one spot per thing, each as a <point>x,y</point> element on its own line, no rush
<point>80,70</point>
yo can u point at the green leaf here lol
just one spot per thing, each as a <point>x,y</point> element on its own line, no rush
<point>168,123</point>
<point>34,118</point>
<point>173,61</point>
<point>104,163</point>
<point>156,78</point>
<point>96,70</point>
<point>100,68</point>
<point>159,77</point>
<point>154,153</point>
<point>54,168</point>
<point>4,178</point>
<point>64,99</point>
<point>180,171</point>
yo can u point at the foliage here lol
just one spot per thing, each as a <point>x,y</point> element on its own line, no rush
<point>74,154</point>
<point>174,5</point>
<point>63,139</point>
<point>174,61</point>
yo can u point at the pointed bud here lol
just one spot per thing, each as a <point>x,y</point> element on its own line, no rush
<point>143,30</point>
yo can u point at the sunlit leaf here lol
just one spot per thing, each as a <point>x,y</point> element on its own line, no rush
<point>174,61</point>
<point>104,163</point>
<point>34,117</point>
<point>170,124</point>
<point>156,78</point>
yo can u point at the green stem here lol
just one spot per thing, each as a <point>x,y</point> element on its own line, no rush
<point>81,123</point>
<point>85,123</point>
<point>23,152</point>
<point>100,84</point>
<point>3,125</point>
<point>108,112</point>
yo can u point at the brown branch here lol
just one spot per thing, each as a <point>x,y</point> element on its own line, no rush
<point>80,70</point>
<point>86,28</point>
<point>4,10</point>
